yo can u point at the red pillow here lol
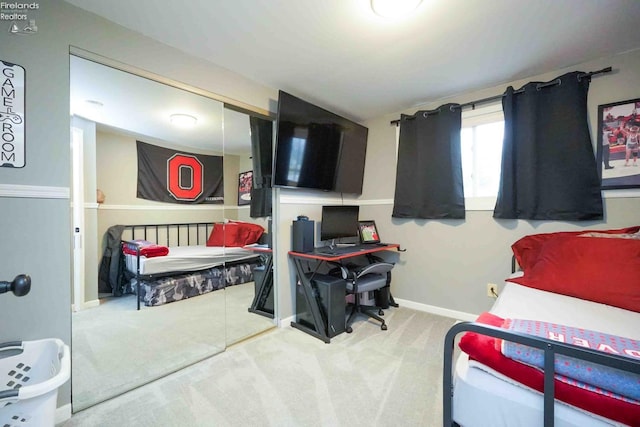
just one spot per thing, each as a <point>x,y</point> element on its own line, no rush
<point>527,249</point>
<point>591,268</point>
<point>223,235</point>
<point>234,234</point>
<point>482,348</point>
<point>250,233</point>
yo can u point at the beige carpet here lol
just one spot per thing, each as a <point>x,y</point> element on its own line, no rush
<point>288,378</point>
<point>116,348</point>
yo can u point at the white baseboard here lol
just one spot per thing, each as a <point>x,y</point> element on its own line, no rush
<point>63,414</point>
<point>87,304</point>
<point>91,304</point>
<point>459,315</point>
<point>283,323</point>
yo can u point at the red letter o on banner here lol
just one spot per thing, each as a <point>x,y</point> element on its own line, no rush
<point>174,181</point>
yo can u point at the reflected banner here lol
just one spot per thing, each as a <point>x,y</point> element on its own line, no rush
<point>171,176</point>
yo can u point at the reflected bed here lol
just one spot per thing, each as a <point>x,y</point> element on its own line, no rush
<point>187,267</point>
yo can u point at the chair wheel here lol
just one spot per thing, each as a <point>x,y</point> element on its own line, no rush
<point>383,327</point>
<point>380,312</point>
<point>349,329</point>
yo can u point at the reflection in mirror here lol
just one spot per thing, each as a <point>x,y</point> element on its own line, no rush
<point>182,320</point>
<point>247,139</point>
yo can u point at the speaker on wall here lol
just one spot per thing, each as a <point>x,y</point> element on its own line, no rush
<point>302,235</point>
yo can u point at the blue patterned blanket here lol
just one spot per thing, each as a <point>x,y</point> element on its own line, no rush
<point>598,378</point>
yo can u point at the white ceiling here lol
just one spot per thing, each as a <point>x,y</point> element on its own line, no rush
<point>142,108</point>
<point>341,55</point>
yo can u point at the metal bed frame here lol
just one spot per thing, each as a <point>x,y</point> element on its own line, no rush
<point>550,348</point>
<point>175,234</point>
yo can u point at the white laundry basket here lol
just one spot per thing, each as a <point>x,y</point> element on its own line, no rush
<point>30,374</point>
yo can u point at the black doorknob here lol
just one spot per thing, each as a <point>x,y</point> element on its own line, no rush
<point>20,286</point>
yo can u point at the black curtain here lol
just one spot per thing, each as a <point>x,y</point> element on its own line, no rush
<point>429,173</point>
<point>549,170</point>
<point>261,154</point>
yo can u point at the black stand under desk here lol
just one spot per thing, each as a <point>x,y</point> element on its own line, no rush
<point>262,303</point>
<point>323,313</point>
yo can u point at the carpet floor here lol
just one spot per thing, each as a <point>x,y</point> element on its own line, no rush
<point>285,377</point>
<point>116,348</point>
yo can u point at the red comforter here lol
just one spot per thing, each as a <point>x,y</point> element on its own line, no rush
<point>483,349</point>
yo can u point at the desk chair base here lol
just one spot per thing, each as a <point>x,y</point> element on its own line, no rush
<point>367,310</point>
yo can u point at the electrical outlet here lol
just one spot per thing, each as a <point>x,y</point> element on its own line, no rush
<point>492,290</point>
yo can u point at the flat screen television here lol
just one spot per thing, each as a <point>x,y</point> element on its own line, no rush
<point>317,149</point>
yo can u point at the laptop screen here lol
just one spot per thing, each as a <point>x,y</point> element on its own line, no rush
<point>368,232</point>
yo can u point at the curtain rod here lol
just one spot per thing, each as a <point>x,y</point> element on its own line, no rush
<point>496,97</point>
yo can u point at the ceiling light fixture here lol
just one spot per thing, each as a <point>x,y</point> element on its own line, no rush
<point>183,120</point>
<point>394,8</point>
<point>93,103</point>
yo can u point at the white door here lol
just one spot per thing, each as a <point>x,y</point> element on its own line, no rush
<point>77,201</point>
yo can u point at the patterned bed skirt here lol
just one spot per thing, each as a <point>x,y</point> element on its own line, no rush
<point>175,288</point>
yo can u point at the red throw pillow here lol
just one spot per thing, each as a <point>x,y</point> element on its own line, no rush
<point>249,233</point>
<point>483,349</point>
<point>592,268</point>
<point>234,234</point>
<point>223,235</point>
<point>527,249</point>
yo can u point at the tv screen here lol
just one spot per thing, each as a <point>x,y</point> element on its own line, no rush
<point>339,221</point>
<point>317,149</point>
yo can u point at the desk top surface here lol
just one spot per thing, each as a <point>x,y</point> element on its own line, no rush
<point>356,252</point>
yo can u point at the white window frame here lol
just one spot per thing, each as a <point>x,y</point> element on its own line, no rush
<point>488,113</point>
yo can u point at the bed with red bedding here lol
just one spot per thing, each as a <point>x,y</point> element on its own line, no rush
<point>171,262</point>
<point>584,287</point>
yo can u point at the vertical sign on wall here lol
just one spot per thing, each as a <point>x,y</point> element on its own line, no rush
<point>12,115</point>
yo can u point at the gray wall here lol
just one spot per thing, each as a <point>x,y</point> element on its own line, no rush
<point>448,263</point>
<point>36,230</point>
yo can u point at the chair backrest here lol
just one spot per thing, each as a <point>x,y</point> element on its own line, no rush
<point>375,268</point>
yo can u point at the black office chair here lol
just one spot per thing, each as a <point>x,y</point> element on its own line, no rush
<point>361,279</point>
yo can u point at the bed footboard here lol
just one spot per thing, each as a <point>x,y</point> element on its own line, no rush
<point>550,348</point>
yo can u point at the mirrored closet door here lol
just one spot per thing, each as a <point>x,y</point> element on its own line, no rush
<point>115,346</point>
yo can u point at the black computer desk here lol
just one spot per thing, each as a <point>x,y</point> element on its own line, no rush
<point>265,287</point>
<point>318,328</point>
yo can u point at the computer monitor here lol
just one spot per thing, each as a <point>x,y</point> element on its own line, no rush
<point>339,222</point>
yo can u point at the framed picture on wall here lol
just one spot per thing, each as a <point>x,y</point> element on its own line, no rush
<point>619,144</point>
<point>368,232</point>
<point>245,182</point>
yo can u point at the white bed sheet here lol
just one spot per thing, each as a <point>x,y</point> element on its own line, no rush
<point>188,258</point>
<point>483,397</point>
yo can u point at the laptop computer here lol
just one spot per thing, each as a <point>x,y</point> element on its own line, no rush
<point>369,233</point>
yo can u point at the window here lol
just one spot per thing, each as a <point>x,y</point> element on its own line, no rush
<point>481,139</point>
<point>481,145</point>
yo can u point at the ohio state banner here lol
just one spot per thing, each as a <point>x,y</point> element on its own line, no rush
<point>167,175</point>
